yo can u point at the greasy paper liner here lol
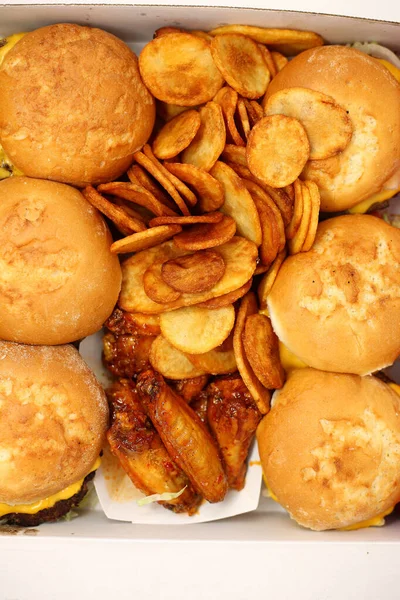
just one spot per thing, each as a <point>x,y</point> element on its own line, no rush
<point>118,496</point>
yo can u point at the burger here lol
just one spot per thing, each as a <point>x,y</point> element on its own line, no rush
<point>330,449</point>
<point>59,281</point>
<point>337,306</point>
<point>73,107</point>
<point>53,420</point>
<point>367,171</point>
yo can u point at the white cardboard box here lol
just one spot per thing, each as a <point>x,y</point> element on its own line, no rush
<point>249,556</point>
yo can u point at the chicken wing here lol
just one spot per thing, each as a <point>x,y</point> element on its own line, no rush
<point>126,355</point>
<point>184,435</point>
<point>122,322</point>
<point>188,389</point>
<point>139,449</point>
<point>233,418</point>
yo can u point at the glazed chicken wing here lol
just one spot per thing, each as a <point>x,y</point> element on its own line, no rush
<point>141,453</point>
<point>233,418</point>
<point>122,322</point>
<point>189,389</point>
<point>126,355</point>
<point>187,440</point>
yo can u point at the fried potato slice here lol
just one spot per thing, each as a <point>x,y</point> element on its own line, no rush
<point>328,126</point>
<point>297,242</point>
<point>178,68</point>
<point>137,194</point>
<point>194,273</point>
<point>137,212</point>
<point>158,174</point>
<point>144,239</point>
<point>277,150</point>
<point>234,154</point>
<point>214,217</point>
<point>165,31</point>
<point>260,394</point>
<point>177,183</point>
<point>289,190</point>
<point>146,324</point>
<point>215,362</point>
<point>297,210</point>
<point>227,98</point>
<point>238,203</point>
<point>156,288</point>
<point>243,117</point>
<point>176,135</point>
<point>196,330</point>
<point>254,111</point>
<point>268,280</point>
<point>170,362</point>
<point>313,224</point>
<point>261,269</point>
<point>280,61</point>
<point>185,437</point>
<point>262,351</point>
<point>270,211</point>
<point>240,257</point>
<point>268,60</point>
<point>273,37</point>
<point>227,299</point>
<point>207,235</point>
<point>209,191</point>
<point>241,64</point>
<point>270,235</point>
<point>209,141</point>
<point>169,111</point>
<point>116,214</point>
<point>139,176</point>
<point>202,34</point>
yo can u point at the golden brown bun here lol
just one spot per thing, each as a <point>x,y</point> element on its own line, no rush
<point>53,420</point>
<point>73,107</point>
<point>59,281</point>
<point>330,448</point>
<point>337,307</point>
<point>371,95</point>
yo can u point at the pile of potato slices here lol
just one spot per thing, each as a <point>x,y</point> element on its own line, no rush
<point>215,200</point>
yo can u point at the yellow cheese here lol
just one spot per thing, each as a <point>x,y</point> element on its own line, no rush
<point>289,360</point>
<point>35,507</point>
<point>394,70</point>
<point>378,521</point>
<point>395,387</point>
<point>270,492</point>
<point>11,40</point>
<point>364,206</point>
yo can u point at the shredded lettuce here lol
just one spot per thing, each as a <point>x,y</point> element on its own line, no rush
<point>165,497</point>
<point>378,51</point>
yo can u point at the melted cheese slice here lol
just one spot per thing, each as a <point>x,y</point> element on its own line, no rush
<point>35,507</point>
<point>365,205</point>
<point>394,70</point>
<point>289,360</point>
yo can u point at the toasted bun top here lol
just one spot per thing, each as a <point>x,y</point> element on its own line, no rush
<point>59,281</point>
<point>371,95</point>
<point>337,307</point>
<point>73,107</point>
<point>53,418</point>
<point>330,448</point>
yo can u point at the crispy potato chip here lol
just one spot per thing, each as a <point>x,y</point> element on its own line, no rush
<point>261,346</point>
<point>116,214</point>
<point>170,362</point>
<point>297,242</point>
<point>260,394</point>
<point>181,188</point>
<point>209,191</point>
<point>166,31</point>
<point>294,224</point>
<point>268,60</point>
<point>137,212</point>
<point>268,280</point>
<point>194,273</point>
<point>227,299</point>
<point>146,324</point>
<point>207,235</point>
<point>156,288</point>
<point>293,49</point>
<point>240,257</point>
<point>289,189</point>
<point>241,64</point>
<point>209,141</point>
<point>178,68</point>
<point>261,269</point>
<point>137,194</point>
<point>270,235</point>
<point>215,362</point>
<point>197,330</point>
<point>158,174</point>
<point>169,111</point>
<point>254,111</point>
<point>202,34</point>
<point>280,61</point>
<point>176,135</point>
<point>274,37</point>
<point>234,154</point>
<point>214,217</point>
<point>238,203</point>
<point>145,239</point>
<point>243,117</point>
<point>328,126</point>
<point>277,150</point>
<point>278,227</point>
<point>227,98</point>
<point>139,176</point>
<point>315,205</point>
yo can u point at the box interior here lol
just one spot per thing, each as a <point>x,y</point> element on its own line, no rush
<point>135,25</point>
